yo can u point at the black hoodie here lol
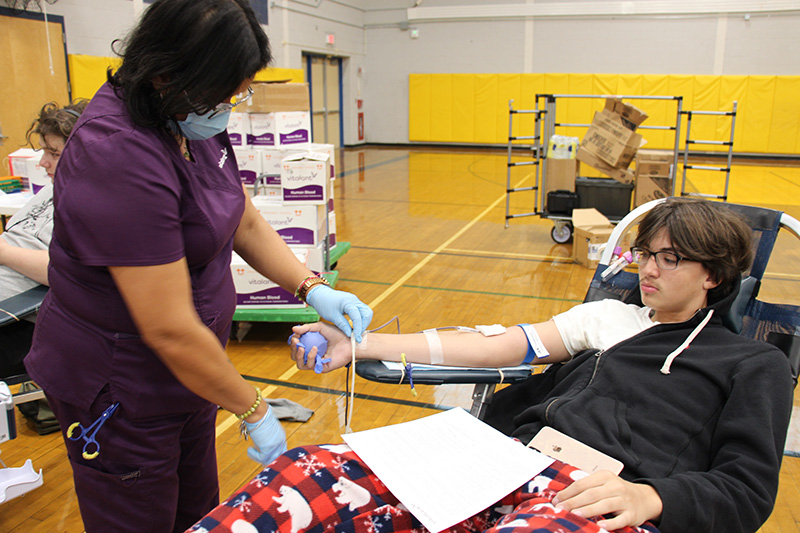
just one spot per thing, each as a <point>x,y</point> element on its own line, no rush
<point>708,435</point>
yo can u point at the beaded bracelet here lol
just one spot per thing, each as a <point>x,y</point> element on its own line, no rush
<point>253,408</point>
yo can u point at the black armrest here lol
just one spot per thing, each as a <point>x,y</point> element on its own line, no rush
<point>22,305</point>
<point>790,345</point>
<point>431,375</point>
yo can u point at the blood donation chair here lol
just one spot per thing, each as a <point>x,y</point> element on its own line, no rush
<point>13,310</point>
<point>16,481</point>
<point>777,324</point>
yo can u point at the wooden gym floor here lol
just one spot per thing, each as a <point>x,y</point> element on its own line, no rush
<point>428,246</point>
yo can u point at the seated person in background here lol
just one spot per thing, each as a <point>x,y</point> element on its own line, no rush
<point>697,414</point>
<point>24,243</point>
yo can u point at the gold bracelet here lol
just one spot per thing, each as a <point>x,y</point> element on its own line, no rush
<point>253,408</point>
<point>307,285</point>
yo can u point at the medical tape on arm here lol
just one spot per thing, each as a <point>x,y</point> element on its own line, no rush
<point>536,348</point>
<point>434,346</point>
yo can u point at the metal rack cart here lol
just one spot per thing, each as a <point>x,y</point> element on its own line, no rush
<point>689,142</point>
<point>544,127</point>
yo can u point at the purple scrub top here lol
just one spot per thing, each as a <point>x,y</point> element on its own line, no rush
<point>125,196</point>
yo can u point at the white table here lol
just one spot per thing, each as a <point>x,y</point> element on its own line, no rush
<point>11,203</point>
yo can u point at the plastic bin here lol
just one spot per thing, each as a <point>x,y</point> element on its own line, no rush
<point>561,202</point>
<point>608,196</point>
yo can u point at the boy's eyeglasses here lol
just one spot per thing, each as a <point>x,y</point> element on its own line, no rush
<point>225,106</point>
<point>665,260</point>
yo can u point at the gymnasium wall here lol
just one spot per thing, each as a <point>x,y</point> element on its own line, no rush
<point>89,73</point>
<point>473,108</point>
<point>385,44</point>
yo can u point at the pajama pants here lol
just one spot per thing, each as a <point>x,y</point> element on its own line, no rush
<point>156,474</point>
<point>328,489</point>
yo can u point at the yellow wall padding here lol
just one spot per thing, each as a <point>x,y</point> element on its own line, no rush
<point>473,108</point>
<point>88,73</point>
<point>292,75</point>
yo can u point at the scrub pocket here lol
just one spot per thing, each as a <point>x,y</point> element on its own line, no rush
<point>144,386</point>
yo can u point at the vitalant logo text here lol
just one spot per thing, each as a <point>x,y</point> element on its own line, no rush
<point>223,158</point>
<point>312,176</point>
<point>277,222</point>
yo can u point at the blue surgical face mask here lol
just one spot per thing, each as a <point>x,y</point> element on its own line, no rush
<point>199,127</point>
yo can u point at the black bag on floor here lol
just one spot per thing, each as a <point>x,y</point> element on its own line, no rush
<point>39,412</point>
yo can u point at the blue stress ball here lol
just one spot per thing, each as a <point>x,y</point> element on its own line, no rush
<point>310,339</point>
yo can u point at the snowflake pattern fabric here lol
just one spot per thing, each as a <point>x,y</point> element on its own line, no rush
<point>327,489</point>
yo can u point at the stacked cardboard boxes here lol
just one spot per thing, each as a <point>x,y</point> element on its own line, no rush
<point>653,176</point>
<point>292,180</point>
<point>611,141</point>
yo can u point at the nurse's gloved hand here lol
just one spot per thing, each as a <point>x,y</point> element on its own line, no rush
<point>333,305</point>
<point>268,437</point>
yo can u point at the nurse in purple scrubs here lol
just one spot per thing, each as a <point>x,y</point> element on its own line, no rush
<point>130,342</point>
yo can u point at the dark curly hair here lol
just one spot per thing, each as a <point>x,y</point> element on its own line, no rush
<point>703,231</point>
<point>200,50</point>
<point>56,120</point>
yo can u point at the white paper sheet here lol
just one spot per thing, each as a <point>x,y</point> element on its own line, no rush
<point>446,467</point>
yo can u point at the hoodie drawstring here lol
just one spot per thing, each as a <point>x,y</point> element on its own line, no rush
<point>671,357</point>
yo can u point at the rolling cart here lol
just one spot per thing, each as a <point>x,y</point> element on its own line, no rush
<point>545,125</point>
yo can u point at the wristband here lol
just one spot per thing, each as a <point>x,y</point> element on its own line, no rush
<point>536,348</point>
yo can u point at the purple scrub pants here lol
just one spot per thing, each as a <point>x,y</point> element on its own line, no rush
<point>156,474</point>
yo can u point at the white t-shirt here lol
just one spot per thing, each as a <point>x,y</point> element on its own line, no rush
<point>32,228</point>
<point>601,324</point>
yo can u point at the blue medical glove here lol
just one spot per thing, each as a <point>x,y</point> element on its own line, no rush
<point>268,437</point>
<point>332,305</point>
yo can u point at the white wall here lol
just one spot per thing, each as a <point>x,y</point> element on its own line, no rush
<point>374,38</point>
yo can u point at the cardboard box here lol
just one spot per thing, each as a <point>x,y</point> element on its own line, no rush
<point>262,130</point>
<point>591,230</point>
<point>632,116</point>
<point>300,226</point>
<point>561,174</point>
<point>286,128</point>
<point>249,161</point>
<point>305,178</point>
<point>654,163</point>
<point>254,291</point>
<point>331,227</point>
<point>238,129</point>
<point>609,139</point>
<point>24,163</point>
<point>622,175</point>
<point>271,193</point>
<point>272,161</point>
<point>271,97</point>
<point>292,127</point>
<point>651,188</point>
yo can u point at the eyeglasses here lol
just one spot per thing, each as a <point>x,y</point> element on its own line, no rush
<point>226,106</point>
<point>665,260</point>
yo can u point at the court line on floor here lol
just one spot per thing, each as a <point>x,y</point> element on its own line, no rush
<point>266,392</point>
<point>456,252</point>
<point>427,259</point>
<point>344,173</point>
